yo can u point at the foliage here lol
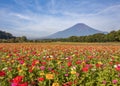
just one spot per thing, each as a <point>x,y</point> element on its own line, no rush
<point>5,35</point>
<point>9,38</point>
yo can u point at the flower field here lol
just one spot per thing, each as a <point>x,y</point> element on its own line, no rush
<point>38,64</point>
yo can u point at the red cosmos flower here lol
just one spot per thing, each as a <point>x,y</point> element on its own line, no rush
<point>69,64</point>
<point>118,67</point>
<point>85,69</point>
<point>43,63</point>
<point>9,55</point>
<point>75,81</point>
<point>2,73</point>
<point>88,65</point>
<point>14,84</point>
<point>30,70</point>
<point>17,79</point>
<point>35,62</point>
<point>111,63</point>
<point>23,84</point>
<point>98,65</point>
<point>68,84</point>
<point>90,57</point>
<point>117,63</point>
<point>34,53</point>
<point>41,79</point>
<point>53,71</point>
<point>78,62</point>
<point>9,69</point>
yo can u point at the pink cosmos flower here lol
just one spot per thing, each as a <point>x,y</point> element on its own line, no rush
<point>14,84</point>
<point>66,75</point>
<point>104,82</point>
<point>21,61</point>
<point>114,81</point>
<point>42,67</point>
<point>49,69</point>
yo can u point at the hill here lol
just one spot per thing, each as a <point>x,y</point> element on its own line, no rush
<point>79,29</point>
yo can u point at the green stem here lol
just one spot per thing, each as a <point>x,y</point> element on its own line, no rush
<point>49,82</point>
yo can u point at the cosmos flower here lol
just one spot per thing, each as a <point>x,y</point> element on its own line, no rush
<point>41,79</point>
<point>78,62</point>
<point>85,69</point>
<point>69,64</point>
<point>2,73</point>
<point>93,69</point>
<point>104,82</point>
<point>67,83</point>
<point>66,75</point>
<point>42,67</point>
<point>73,72</point>
<point>49,68</point>
<point>42,73</point>
<point>73,68</point>
<point>49,76</point>
<point>114,81</point>
<point>21,61</point>
<point>117,67</point>
<point>55,84</point>
<point>14,84</point>
<point>17,79</point>
<point>23,84</point>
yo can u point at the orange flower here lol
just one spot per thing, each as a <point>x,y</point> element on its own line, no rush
<point>55,84</point>
<point>18,69</point>
<point>73,72</point>
<point>49,76</point>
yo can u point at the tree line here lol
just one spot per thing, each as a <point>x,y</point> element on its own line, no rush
<point>6,37</point>
<point>113,36</point>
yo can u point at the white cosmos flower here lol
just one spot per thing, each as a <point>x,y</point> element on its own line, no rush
<point>93,69</point>
<point>73,68</point>
<point>115,66</point>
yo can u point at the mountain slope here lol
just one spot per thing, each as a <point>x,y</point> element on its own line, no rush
<point>79,29</point>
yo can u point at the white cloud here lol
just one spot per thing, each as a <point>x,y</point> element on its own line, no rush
<point>109,10</point>
<point>20,16</point>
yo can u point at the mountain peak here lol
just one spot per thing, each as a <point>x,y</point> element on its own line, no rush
<point>79,29</point>
<point>79,24</point>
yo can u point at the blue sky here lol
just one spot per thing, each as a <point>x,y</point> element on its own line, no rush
<point>37,18</point>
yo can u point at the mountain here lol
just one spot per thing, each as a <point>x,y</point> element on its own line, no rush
<point>5,35</point>
<point>79,29</point>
